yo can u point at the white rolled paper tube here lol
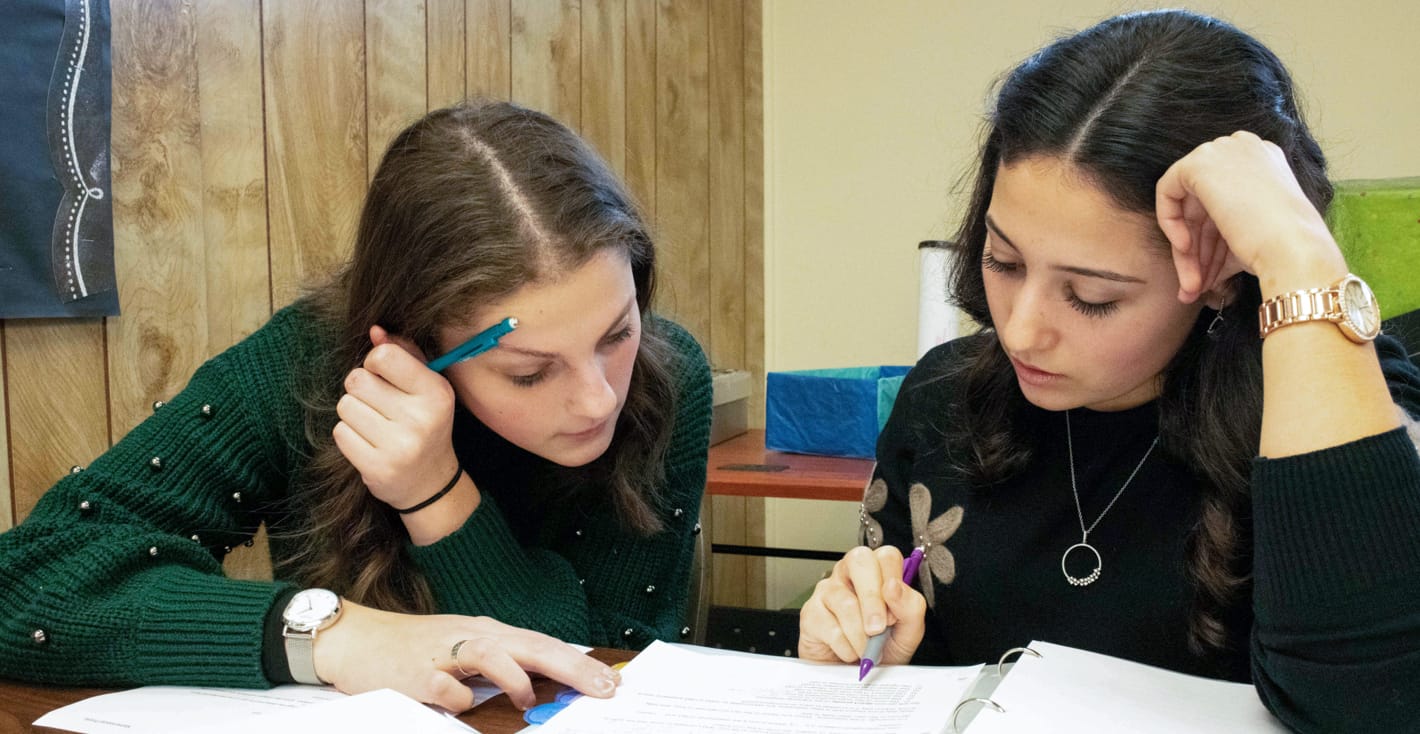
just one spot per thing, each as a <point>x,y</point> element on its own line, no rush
<point>937,320</point>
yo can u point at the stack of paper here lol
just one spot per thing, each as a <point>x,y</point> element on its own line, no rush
<point>678,689</point>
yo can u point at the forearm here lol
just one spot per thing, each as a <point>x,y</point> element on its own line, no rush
<point>1320,389</point>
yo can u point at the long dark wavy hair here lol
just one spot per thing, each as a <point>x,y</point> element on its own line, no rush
<point>468,205</point>
<point>1121,102</point>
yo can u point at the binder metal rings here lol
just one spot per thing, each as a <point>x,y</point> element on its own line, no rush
<point>982,701</point>
<point>1000,671</point>
<point>1000,664</point>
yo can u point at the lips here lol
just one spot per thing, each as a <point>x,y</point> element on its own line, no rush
<point>588,434</point>
<point>1032,375</point>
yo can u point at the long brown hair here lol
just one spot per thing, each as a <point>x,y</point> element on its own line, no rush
<point>1122,101</point>
<point>469,204</point>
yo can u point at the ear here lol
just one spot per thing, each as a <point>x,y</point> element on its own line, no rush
<point>1220,295</point>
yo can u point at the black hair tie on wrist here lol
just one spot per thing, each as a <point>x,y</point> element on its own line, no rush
<point>437,495</point>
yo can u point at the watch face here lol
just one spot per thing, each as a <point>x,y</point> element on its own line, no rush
<point>310,609</point>
<point>1361,308</point>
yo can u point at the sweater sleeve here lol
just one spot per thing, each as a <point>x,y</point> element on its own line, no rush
<point>605,586</point>
<point>115,578</point>
<point>1336,642</point>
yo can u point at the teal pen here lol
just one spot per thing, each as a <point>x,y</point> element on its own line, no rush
<point>874,654</point>
<point>480,343</point>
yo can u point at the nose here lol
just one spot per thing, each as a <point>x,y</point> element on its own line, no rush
<point>1027,327</point>
<point>592,395</point>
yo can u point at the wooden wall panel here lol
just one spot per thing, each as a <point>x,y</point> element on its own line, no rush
<point>547,58</point>
<point>726,266</point>
<point>314,82</point>
<point>158,228</point>
<point>244,132</point>
<point>754,209</point>
<point>682,160</point>
<point>7,508</point>
<point>57,399</point>
<point>444,55</point>
<point>489,35</point>
<point>603,79</point>
<point>395,72</point>
<point>233,170</point>
<point>640,104</point>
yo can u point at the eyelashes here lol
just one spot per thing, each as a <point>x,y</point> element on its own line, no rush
<point>611,340</point>
<point>1088,308</point>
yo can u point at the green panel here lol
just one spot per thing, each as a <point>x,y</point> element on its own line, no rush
<point>1377,224</point>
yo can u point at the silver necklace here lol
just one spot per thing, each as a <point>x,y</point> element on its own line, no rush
<point>1085,531</point>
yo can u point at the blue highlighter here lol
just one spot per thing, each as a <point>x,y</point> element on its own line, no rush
<point>480,343</point>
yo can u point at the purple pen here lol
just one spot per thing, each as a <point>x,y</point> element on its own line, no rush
<point>874,654</point>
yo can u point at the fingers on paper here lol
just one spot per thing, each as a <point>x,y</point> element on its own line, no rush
<point>488,656</point>
<point>449,693</point>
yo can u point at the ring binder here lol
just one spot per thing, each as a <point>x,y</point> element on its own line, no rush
<point>1069,689</point>
<point>1000,671</point>
<point>984,701</point>
<point>1002,661</point>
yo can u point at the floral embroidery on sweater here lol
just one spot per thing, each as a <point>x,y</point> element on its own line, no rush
<point>931,535</point>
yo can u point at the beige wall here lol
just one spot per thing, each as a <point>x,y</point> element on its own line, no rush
<point>871,116</point>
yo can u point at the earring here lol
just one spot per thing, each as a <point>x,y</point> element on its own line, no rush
<point>1217,317</point>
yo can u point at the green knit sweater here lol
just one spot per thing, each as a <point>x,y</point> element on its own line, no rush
<point>116,577</point>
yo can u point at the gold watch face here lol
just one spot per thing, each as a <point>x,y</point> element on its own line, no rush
<point>1362,312</point>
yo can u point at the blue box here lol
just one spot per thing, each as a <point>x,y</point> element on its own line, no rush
<point>834,412</point>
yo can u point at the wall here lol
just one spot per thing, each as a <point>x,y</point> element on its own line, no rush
<point>244,132</point>
<point>871,119</point>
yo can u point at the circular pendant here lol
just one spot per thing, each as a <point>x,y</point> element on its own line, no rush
<point>1087,580</point>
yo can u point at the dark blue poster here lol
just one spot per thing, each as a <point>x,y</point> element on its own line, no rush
<point>56,216</point>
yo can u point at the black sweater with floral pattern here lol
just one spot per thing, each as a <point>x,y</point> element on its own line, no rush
<point>1330,635</point>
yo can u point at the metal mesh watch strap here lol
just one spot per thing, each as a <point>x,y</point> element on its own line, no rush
<point>1315,304</point>
<point>301,657</point>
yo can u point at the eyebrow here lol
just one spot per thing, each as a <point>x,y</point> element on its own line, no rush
<point>525,352</point>
<point>1088,272</point>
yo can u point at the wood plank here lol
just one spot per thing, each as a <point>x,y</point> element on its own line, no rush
<point>547,58</point>
<point>489,35</point>
<point>728,572</point>
<point>233,171</point>
<point>395,72</point>
<point>754,259</point>
<point>754,206</point>
<point>726,348</point>
<point>7,508</point>
<point>446,48</point>
<point>603,111</point>
<point>315,136</point>
<point>157,209</point>
<point>682,153</point>
<point>640,104</point>
<point>57,392</point>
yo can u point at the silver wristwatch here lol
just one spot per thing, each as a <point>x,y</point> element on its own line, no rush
<point>308,612</point>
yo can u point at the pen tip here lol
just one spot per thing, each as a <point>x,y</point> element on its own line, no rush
<point>513,322</point>
<point>864,666</point>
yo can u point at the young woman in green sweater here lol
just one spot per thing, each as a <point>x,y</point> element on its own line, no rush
<point>1122,460</point>
<point>425,526</point>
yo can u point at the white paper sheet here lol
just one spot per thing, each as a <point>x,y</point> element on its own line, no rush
<point>1068,690</point>
<point>157,709</point>
<point>682,689</point>
<point>375,712</point>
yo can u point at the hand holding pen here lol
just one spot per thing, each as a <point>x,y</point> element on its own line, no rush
<point>861,596</point>
<point>396,418</point>
<point>874,654</point>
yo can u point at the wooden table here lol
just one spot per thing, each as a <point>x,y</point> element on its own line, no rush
<point>743,467</point>
<point>22,703</point>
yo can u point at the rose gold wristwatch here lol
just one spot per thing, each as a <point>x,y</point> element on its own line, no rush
<point>1348,303</point>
